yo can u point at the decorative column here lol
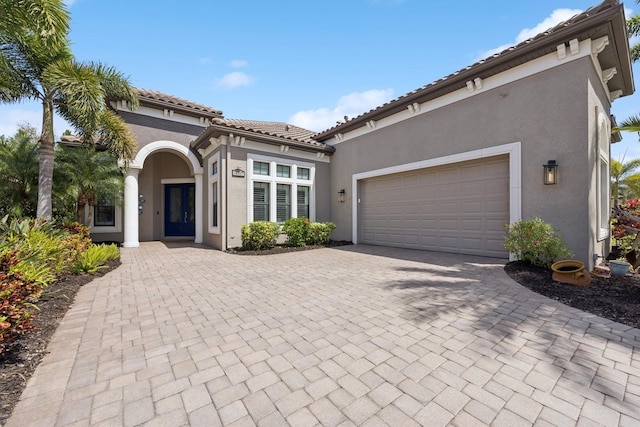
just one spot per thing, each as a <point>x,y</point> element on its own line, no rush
<point>199,207</point>
<point>131,226</point>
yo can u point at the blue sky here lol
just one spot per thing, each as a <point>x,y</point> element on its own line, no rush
<point>305,62</point>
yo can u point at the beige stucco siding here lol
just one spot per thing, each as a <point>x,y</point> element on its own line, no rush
<point>545,112</point>
<point>234,202</point>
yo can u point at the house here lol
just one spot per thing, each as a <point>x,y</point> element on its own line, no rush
<point>441,168</point>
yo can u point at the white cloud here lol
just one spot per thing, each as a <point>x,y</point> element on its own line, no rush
<point>350,105</point>
<point>556,17</point>
<point>238,63</point>
<point>234,80</point>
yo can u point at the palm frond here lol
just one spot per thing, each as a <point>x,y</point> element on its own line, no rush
<point>115,133</point>
<point>48,20</point>
<point>630,124</point>
<point>115,84</point>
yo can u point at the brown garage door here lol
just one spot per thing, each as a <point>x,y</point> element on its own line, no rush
<point>459,208</point>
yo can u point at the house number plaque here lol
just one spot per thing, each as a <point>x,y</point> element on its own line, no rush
<point>237,173</point>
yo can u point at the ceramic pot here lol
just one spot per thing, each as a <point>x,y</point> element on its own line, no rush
<point>619,268</point>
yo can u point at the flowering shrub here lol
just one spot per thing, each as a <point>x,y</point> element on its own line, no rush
<point>297,231</point>
<point>625,217</point>
<point>259,235</point>
<point>536,242</point>
<point>320,232</point>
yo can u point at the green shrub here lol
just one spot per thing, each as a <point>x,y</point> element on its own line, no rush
<point>536,242</point>
<point>95,258</point>
<point>297,231</point>
<point>320,233</point>
<point>259,235</point>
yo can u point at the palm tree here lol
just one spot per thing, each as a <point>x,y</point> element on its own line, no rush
<point>84,176</point>
<point>624,181</point>
<point>19,171</point>
<point>36,63</point>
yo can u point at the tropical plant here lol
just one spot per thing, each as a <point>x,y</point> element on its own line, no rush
<point>36,63</point>
<point>624,182</point>
<point>95,258</point>
<point>19,171</point>
<point>84,176</point>
<point>632,123</point>
<point>535,241</point>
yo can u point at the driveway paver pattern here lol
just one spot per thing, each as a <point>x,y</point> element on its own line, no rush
<point>359,335</point>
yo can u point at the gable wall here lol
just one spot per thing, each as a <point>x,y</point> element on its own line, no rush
<point>545,112</point>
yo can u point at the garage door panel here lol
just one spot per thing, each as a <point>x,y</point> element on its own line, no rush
<point>460,208</point>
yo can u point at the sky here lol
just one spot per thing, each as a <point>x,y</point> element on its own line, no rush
<point>304,62</point>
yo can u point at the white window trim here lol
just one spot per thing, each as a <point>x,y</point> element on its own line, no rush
<point>213,179</point>
<point>603,153</point>
<point>98,229</point>
<point>273,180</point>
<point>515,177</point>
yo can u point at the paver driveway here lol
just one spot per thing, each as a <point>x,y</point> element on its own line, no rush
<point>351,336</point>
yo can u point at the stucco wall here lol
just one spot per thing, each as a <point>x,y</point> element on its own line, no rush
<point>546,112</point>
<point>234,212</point>
<point>150,129</point>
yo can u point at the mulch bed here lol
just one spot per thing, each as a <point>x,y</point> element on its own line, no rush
<point>283,249</point>
<point>615,298</point>
<point>22,356</point>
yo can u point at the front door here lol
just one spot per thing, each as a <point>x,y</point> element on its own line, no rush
<point>179,210</point>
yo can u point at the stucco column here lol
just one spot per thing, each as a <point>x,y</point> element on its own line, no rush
<point>131,226</point>
<point>199,207</point>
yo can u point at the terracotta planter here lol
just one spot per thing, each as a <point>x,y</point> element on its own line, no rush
<point>570,271</point>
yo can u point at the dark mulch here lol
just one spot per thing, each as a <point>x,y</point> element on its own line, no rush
<point>22,356</point>
<point>282,249</point>
<point>615,298</point>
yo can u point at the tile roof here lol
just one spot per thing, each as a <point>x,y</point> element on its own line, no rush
<point>496,60</point>
<point>277,129</point>
<point>156,97</point>
<point>277,133</point>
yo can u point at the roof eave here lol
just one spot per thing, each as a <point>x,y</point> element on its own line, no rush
<point>483,69</point>
<point>216,131</point>
<point>185,110</point>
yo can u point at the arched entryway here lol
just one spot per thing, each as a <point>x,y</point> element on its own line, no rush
<point>162,183</point>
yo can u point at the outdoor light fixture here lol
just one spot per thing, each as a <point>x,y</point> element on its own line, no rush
<point>550,172</point>
<point>341,194</point>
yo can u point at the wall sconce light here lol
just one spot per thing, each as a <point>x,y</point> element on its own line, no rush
<point>341,194</point>
<point>550,172</point>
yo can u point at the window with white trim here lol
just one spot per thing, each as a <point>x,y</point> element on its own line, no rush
<point>604,185</point>
<point>279,189</point>
<point>104,211</point>
<point>261,207</point>
<point>214,194</point>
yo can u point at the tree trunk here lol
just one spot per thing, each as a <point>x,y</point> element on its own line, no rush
<point>45,173</point>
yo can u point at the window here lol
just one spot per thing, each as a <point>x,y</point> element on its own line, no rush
<point>214,204</point>
<point>283,203</point>
<point>279,189</point>
<point>213,193</point>
<point>261,207</point>
<point>261,168</point>
<point>283,171</point>
<point>303,173</point>
<point>303,201</point>
<point>105,212</point>
<point>603,177</point>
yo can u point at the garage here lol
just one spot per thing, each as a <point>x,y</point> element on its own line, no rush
<point>459,208</point>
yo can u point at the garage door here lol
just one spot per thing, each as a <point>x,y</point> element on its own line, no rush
<point>459,208</point>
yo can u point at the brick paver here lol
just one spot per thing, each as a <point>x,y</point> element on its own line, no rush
<point>184,335</point>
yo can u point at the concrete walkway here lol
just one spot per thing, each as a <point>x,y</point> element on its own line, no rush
<point>363,335</point>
